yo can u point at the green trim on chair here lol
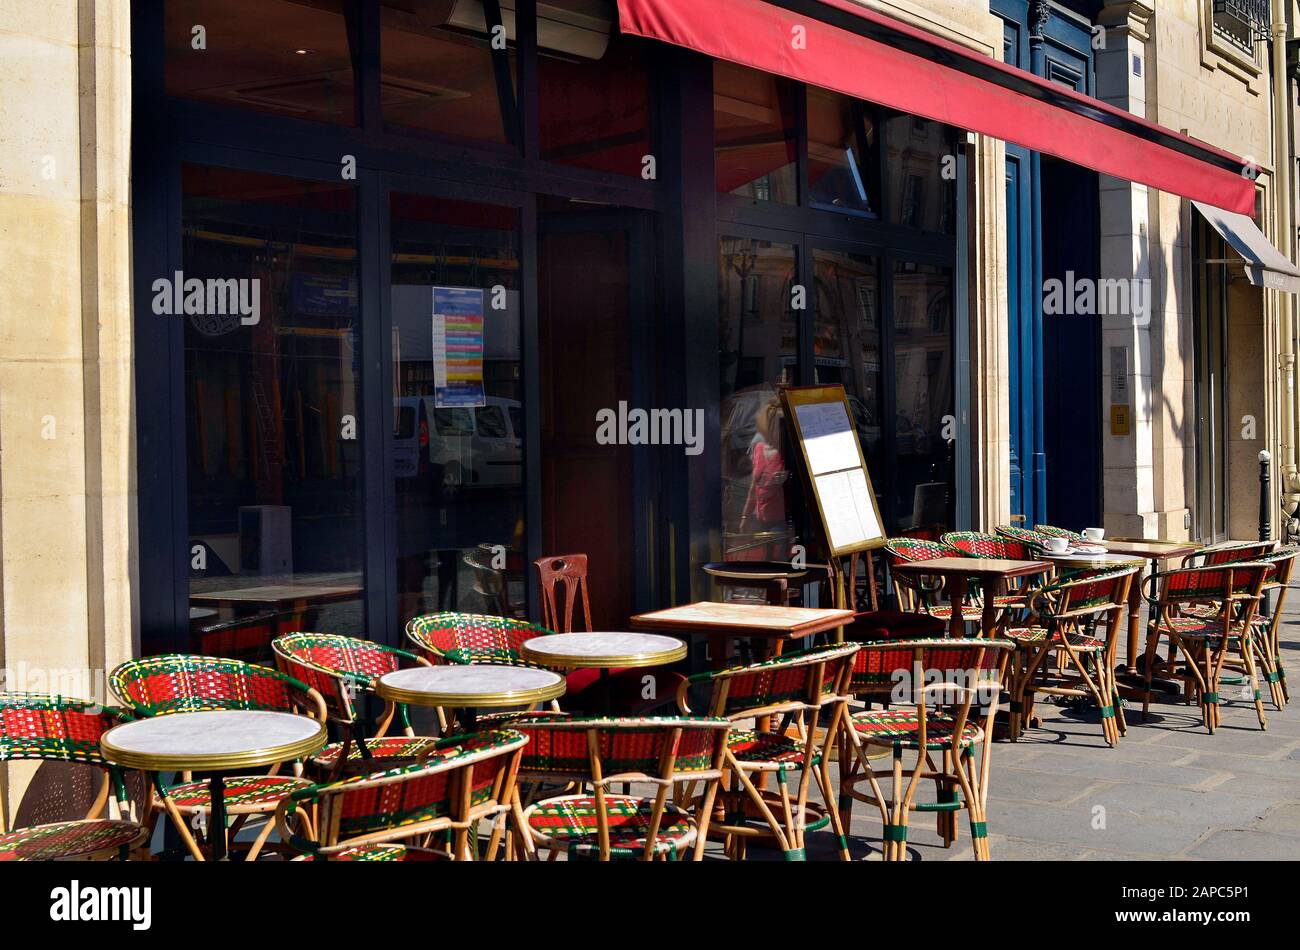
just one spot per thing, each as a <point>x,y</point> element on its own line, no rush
<point>1107,712</point>
<point>1212,699</point>
<point>979,829</point>
<point>895,832</point>
<point>796,854</point>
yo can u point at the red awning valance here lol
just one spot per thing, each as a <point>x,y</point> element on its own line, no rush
<point>861,53</point>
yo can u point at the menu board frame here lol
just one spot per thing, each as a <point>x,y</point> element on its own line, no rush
<point>814,464</point>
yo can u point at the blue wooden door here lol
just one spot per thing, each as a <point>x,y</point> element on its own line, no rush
<point>1053,365</point>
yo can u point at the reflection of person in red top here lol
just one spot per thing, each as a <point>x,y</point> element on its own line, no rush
<point>766,499</point>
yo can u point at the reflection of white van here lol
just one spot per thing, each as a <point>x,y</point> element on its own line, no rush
<point>474,445</point>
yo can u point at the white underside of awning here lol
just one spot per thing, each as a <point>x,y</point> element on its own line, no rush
<point>1266,266</point>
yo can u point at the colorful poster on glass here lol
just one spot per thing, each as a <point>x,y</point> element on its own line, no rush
<point>457,347</point>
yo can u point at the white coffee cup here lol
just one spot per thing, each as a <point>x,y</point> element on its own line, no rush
<point>1058,545</point>
<point>1094,534</point>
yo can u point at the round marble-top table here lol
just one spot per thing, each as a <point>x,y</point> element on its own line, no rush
<point>473,686</point>
<point>601,650</point>
<point>604,651</point>
<point>214,742</point>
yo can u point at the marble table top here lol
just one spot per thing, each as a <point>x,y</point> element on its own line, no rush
<point>211,741</point>
<point>603,649</point>
<point>473,685</point>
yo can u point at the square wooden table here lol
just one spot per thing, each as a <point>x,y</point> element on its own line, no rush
<point>957,572</point>
<point>765,626</point>
<point>1157,552</point>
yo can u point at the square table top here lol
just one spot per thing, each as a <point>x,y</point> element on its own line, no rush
<point>277,594</point>
<point>973,567</point>
<point>1151,547</point>
<point>744,620</point>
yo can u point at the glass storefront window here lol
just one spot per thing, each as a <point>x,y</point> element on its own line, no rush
<point>923,373</point>
<point>593,88</point>
<point>846,342</point>
<point>448,70</point>
<point>457,391</point>
<point>277,56</point>
<point>754,134</point>
<point>918,194</point>
<point>843,154</point>
<point>759,342</point>
<point>272,376</point>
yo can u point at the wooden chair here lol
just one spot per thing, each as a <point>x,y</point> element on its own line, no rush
<point>1207,641</point>
<point>338,667</point>
<point>795,687</point>
<point>1065,615</point>
<point>566,575</point>
<point>465,780</point>
<point>952,689</point>
<point>660,751</point>
<point>450,637</point>
<point>38,726</point>
<point>1033,542</point>
<point>180,683</point>
<point>563,582</point>
<point>1229,552</point>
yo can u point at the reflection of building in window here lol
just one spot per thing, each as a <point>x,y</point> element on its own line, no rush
<point>912,201</point>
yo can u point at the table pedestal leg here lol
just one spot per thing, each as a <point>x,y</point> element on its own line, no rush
<point>956,597</point>
<point>989,618</point>
<point>217,824</point>
<point>1134,621</point>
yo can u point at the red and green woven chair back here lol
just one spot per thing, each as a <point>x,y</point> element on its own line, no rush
<point>1052,531</point>
<point>655,746</point>
<point>416,793</point>
<point>180,682</point>
<point>978,544</point>
<point>1214,583</point>
<point>41,726</point>
<point>804,679</point>
<point>881,664</point>
<point>904,550</point>
<point>1093,592</point>
<point>1235,553</point>
<point>471,638</point>
<point>1032,540</point>
<point>335,665</point>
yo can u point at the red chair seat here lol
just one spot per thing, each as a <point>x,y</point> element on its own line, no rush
<point>386,752</point>
<point>244,793</point>
<point>380,852</point>
<point>767,747</point>
<point>901,728</point>
<point>78,840</point>
<point>572,821</point>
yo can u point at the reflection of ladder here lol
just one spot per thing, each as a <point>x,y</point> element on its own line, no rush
<point>268,435</point>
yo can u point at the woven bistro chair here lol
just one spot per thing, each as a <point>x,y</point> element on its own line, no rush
<point>661,751</point>
<point>1267,636</point>
<point>1229,552</point>
<point>464,781</point>
<point>338,668</point>
<point>979,544</point>
<point>920,594</point>
<point>795,687</point>
<point>1207,641</point>
<point>1052,531</point>
<point>1065,617</point>
<point>38,726</point>
<point>1034,542</point>
<point>181,683</point>
<point>951,688</point>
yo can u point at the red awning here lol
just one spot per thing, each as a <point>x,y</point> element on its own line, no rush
<point>861,53</point>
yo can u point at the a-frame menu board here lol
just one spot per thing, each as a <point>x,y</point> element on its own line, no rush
<point>835,472</point>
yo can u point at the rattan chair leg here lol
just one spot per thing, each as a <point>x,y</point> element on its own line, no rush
<point>1248,658</point>
<point>178,821</point>
<point>259,842</point>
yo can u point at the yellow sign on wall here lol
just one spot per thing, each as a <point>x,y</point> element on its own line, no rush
<point>1120,420</point>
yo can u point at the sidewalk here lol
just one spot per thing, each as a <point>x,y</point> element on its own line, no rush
<point>1169,790</point>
